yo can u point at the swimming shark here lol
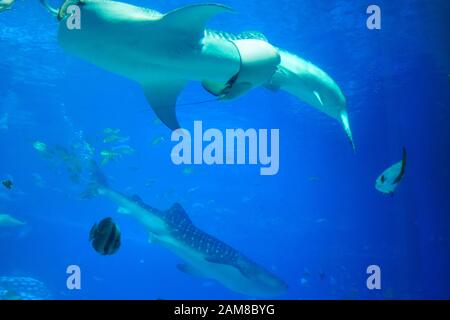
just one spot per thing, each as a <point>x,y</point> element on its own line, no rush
<point>8,221</point>
<point>204,255</point>
<point>163,52</point>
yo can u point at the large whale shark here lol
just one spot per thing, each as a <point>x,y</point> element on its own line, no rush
<point>204,255</point>
<point>163,52</point>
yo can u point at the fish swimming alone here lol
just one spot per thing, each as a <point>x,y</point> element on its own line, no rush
<point>105,237</point>
<point>163,52</point>
<point>8,221</point>
<point>8,184</point>
<point>204,255</point>
<point>388,182</point>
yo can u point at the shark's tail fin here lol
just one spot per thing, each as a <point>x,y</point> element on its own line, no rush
<point>52,10</point>
<point>97,181</point>
<point>348,130</point>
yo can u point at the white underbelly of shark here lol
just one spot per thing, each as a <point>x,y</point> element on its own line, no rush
<point>163,52</point>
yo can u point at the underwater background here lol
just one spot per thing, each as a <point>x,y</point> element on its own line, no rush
<point>318,224</point>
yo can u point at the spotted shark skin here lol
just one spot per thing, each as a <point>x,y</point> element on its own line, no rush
<point>205,256</point>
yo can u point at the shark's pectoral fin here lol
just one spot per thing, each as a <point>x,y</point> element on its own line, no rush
<point>216,260</point>
<point>348,131</point>
<point>162,97</point>
<point>190,270</point>
<point>192,19</point>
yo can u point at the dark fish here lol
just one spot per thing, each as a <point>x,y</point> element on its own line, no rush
<point>105,237</point>
<point>388,182</point>
<point>8,184</point>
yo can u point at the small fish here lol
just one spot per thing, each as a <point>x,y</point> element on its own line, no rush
<point>40,146</point>
<point>111,131</point>
<point>115,138</point>
<point>388,182</point>
<point>108,155</point>
<point>158,140</point>
<point>113,135</point>
<point>323,220</point>
<point>193,189</point>
<point>8,221</point>
<point>313,179</point>
<point>105,237</point>
<point>123,149</point>
<point>8,184</point>
<point>188,171</point>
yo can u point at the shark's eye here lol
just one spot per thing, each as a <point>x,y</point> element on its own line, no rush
<point>383,179</point>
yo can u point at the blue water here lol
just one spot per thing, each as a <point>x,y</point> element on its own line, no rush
<point>320,214</point>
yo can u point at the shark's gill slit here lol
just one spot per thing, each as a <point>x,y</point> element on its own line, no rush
<point>179,49</point>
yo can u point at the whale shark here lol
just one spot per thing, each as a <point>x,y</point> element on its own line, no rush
<point>164,52</point>
<point>204,255</point>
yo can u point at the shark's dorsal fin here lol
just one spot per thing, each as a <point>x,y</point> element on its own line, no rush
<point>163,97</point>
<point>177,215</point>
<point>192,19</point>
